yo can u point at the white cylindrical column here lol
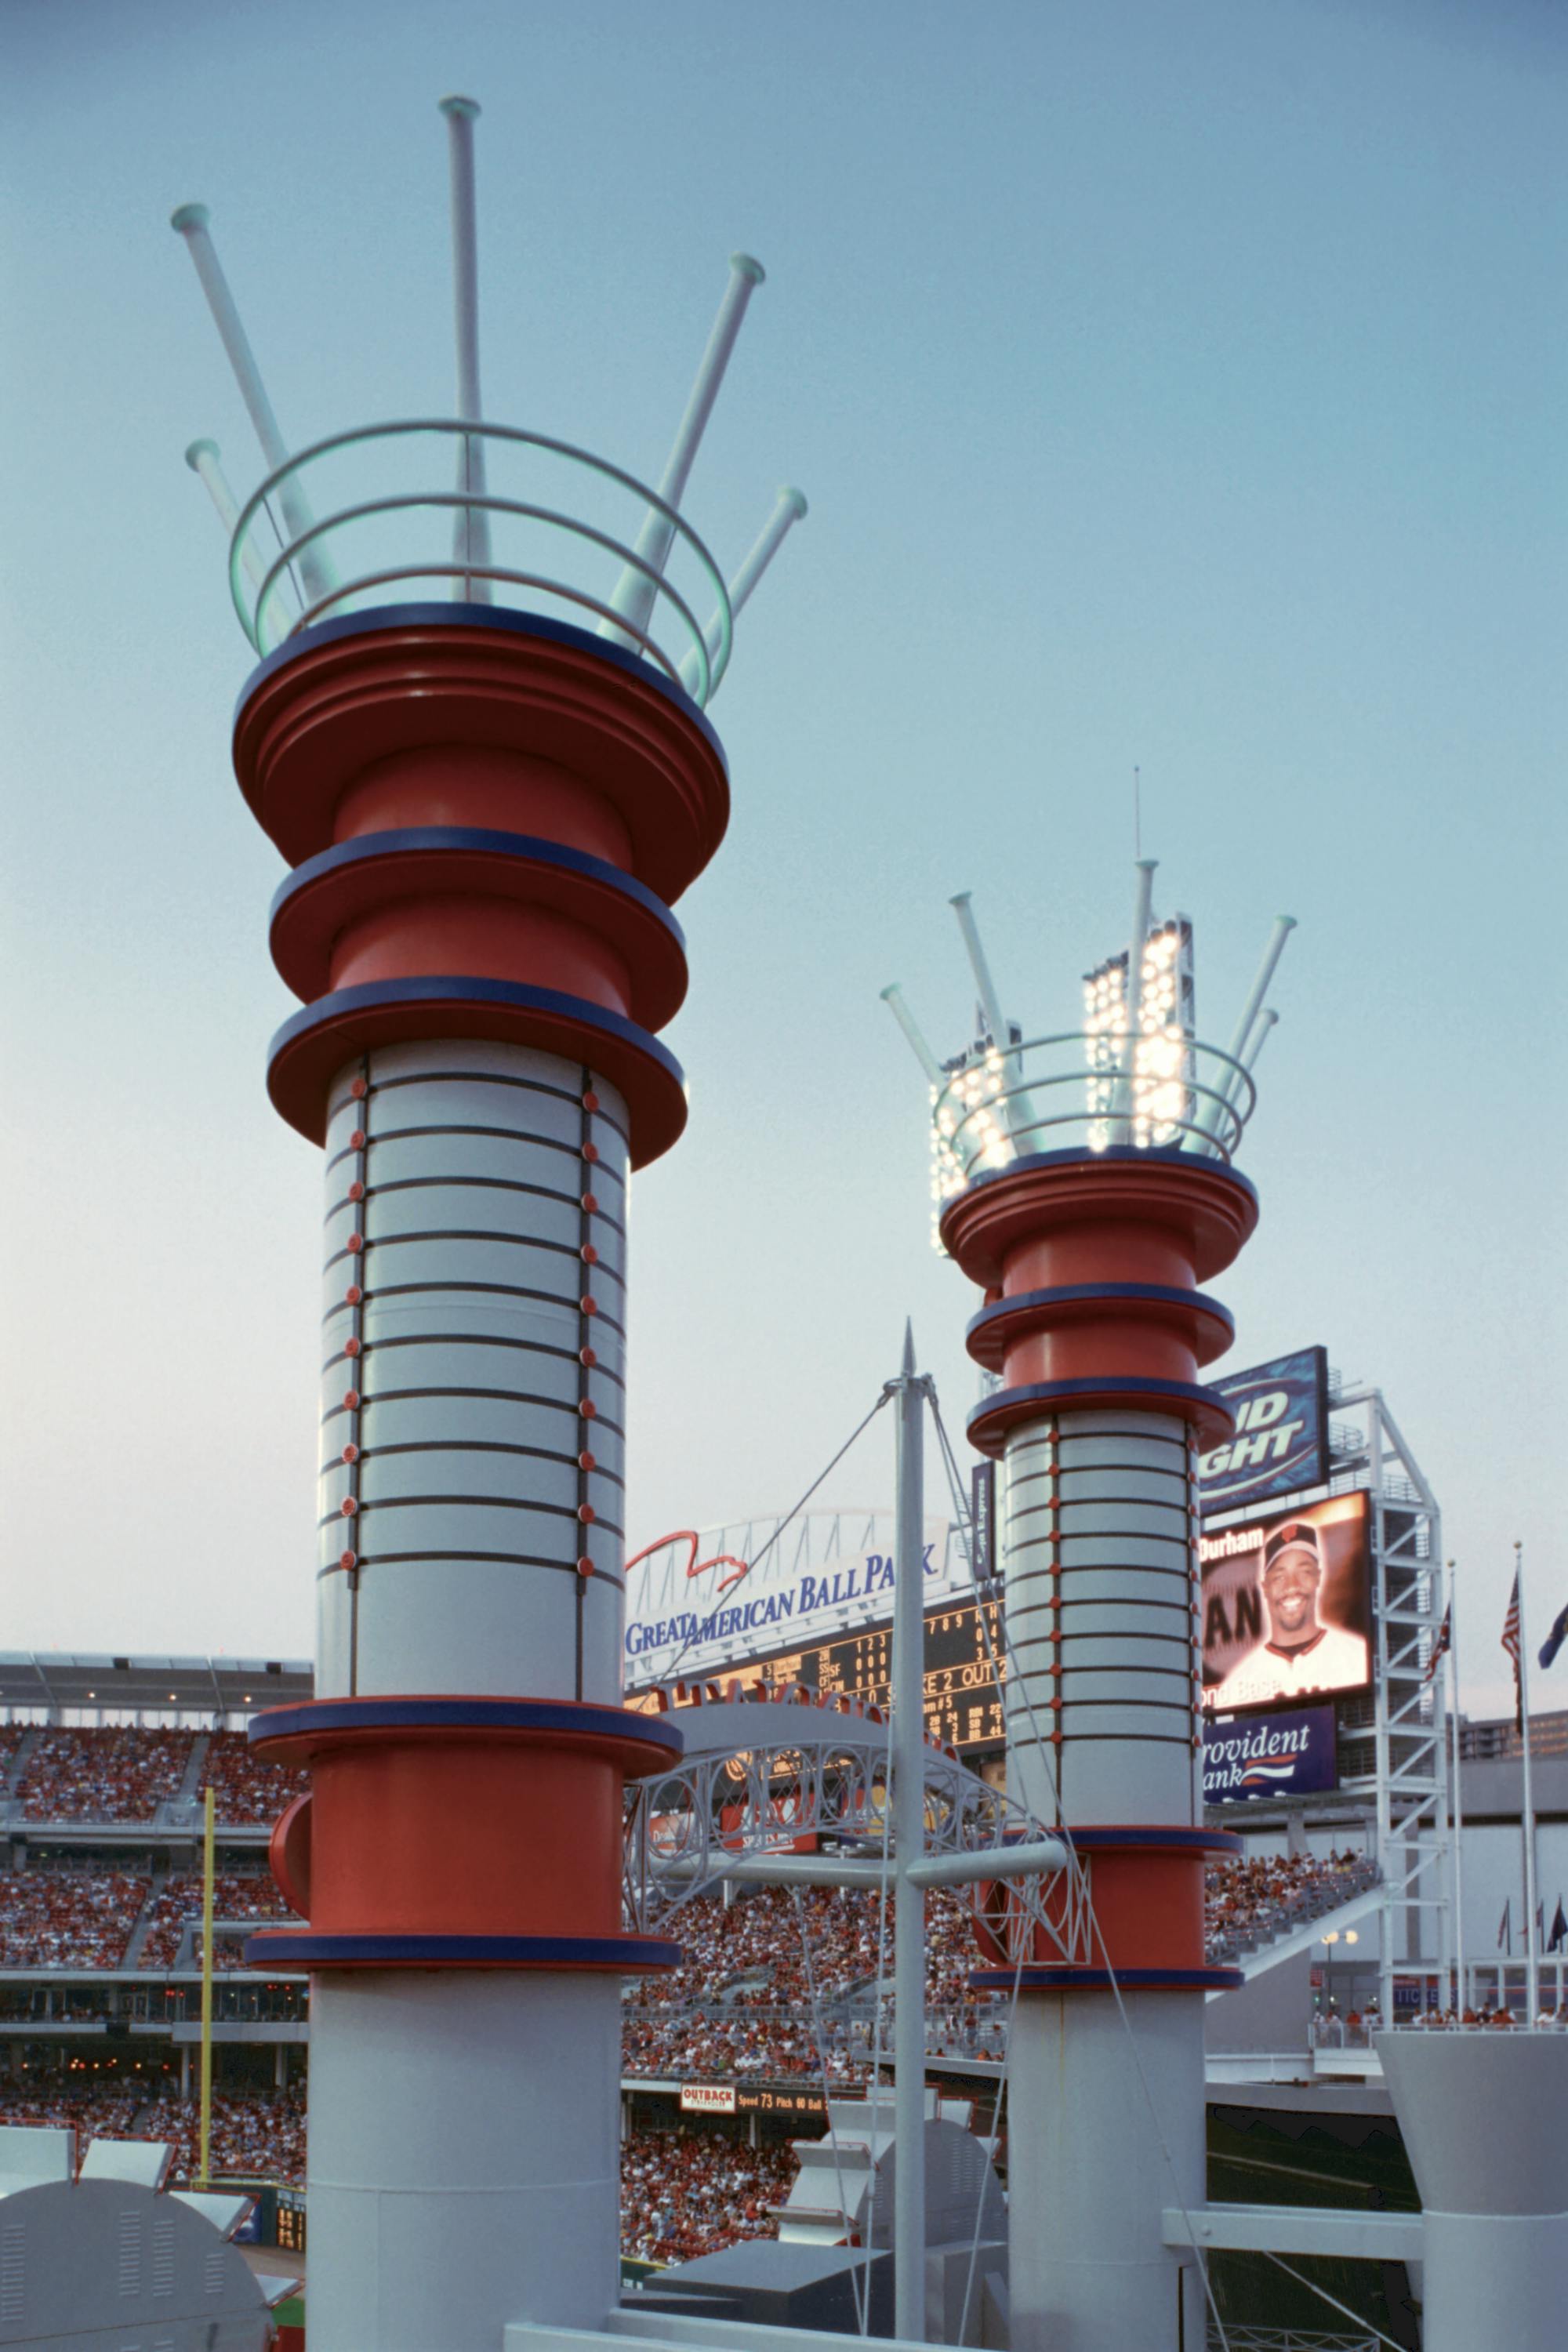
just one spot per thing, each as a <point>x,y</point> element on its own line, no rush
<point>471,1540</point>
<point>1088,2180</point>
<point>1481,2117</point>
<point>1097,1531</point>
<point>463,2157</point>
<point>487,1361</point>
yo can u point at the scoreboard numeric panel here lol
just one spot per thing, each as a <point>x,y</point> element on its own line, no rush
<point>963,1693</point>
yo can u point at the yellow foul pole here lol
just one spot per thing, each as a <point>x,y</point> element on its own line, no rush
<point>207,1849</point>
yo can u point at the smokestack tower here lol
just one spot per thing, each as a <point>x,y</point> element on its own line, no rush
<point>478,737</point>
<point>1086,1187</point>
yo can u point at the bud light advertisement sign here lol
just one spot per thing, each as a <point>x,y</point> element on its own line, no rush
<point>1281,1440</point>
<point>1269,1756</point>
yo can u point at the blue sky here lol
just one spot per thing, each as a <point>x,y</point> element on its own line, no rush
<point>1173,385</point>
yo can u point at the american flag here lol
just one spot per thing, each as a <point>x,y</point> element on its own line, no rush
<point>1444,1643</point>
<point>1511,1643</point>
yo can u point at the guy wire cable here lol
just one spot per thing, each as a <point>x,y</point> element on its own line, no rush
<point>787,1520</point>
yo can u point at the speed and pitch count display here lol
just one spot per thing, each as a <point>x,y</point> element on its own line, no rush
<point>962,1697</point>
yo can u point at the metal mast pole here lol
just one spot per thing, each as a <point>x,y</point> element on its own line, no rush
<point>1463,2000</point>
<point>909,1842</point>
<point>204,2175</point>
<point>1532,1947</point>
<point>471,530</point>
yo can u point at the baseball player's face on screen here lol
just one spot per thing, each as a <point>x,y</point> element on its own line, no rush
<point>1290,1586</point>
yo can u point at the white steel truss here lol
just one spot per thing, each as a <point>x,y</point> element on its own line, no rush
<point>1403,1767</point>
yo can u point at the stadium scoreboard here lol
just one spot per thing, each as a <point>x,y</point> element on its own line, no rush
<point>962,1692</point>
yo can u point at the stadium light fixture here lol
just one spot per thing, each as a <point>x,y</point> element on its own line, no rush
<point>1143,1095</point>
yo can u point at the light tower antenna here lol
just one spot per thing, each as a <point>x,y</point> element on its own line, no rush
<point>205,459</point>
<point>192,222</point>
<point>893,998</point>
<point>471,530</point>
<point>990,1001</point>
<point>635,589</point>
<point>1225,1090</point>
<point>789,507</point>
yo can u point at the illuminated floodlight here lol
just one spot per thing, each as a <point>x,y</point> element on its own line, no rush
<point>971,1097</point>
<point>1135,1074</point>
<point>1152,1109</point>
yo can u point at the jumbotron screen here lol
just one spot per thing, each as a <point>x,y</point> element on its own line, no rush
<point>1287,1602</point>
<point>962,1700</point>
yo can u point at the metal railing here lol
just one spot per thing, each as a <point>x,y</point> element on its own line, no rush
<point>1238,2338</point>
<point>341,523</point>
<point>827,1776</point>
<point>1082,1087</point>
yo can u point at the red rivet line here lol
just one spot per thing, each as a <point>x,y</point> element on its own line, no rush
<point>357,1141</point>
<point>350,1454</point>
<point>349,1507</point>
<point>586,1355</point>
<point>588,1409</point>
<point>352,1294</point>
<point>590,1100</point>
<point>584,1566</point>
<point>587,1513</point>
<point>356,1191</point>
<point>360,1089</point>
<point>590,1151</point>
<point>352,1346</point>
<point>351,1400</point>
<point>355,1244</point>
<point>585,1461</point>
<point>348,1559</point>
<point>588,1303</point>
<point>590,1202</point>
<point>589,1254</point>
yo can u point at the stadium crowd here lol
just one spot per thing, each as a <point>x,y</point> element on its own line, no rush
<point>105,1772</point>
<point>1252,1900</point>
<point>260,2136</point>
<point>91,2114</point>
<point>66,1918</point>
<point>689,2193</point>
<point>246,1787</point>
<point>723,2044</point>
<point>251,1895</point>
<point>762,1935</point>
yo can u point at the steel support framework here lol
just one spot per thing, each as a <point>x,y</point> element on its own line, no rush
<point>1408,1781</point>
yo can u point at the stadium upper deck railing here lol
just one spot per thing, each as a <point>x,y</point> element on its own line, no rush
<point>1079,1089</point>
<point>534,523</point>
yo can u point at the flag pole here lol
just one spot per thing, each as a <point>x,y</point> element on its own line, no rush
<point>1462,2000</point>
<point>1527,1824</point>
<point>203,2181</point>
